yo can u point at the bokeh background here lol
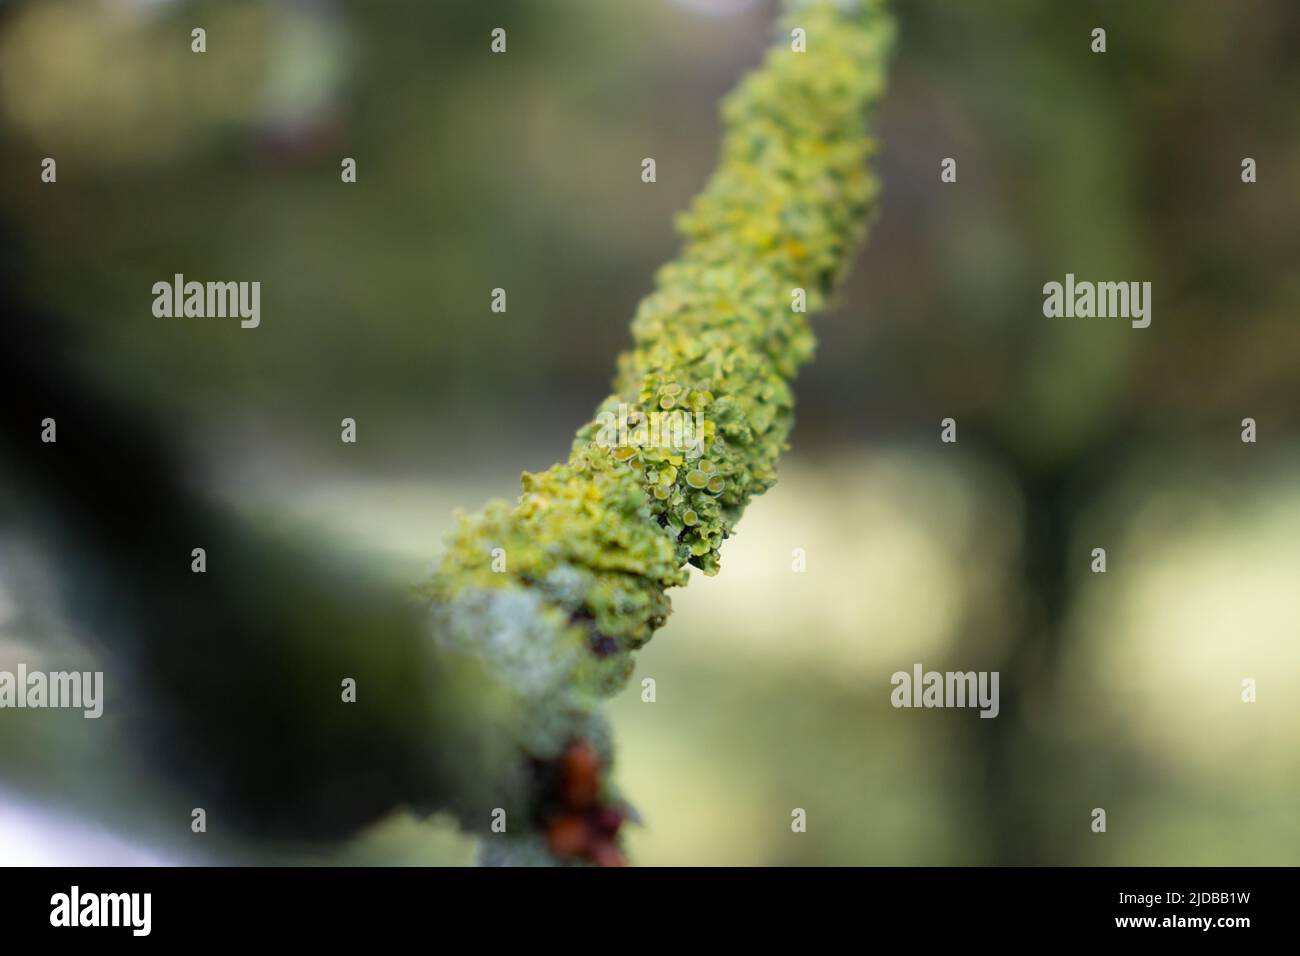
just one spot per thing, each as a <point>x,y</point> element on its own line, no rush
<point>1118,690</point>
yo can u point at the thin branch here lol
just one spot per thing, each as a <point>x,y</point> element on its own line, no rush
<point>555,594</point>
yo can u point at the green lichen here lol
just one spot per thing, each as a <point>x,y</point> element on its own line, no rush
<point>594,542</point>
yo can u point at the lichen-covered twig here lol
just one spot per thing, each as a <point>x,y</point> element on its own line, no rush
<point>555,593</point>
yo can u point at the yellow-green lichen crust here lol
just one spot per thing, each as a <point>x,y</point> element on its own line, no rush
<point>592,544</point>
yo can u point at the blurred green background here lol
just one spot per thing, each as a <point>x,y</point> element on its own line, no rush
<point>521,171</point>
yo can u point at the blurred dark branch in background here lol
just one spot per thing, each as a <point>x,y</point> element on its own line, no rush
<point>231,679</point>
